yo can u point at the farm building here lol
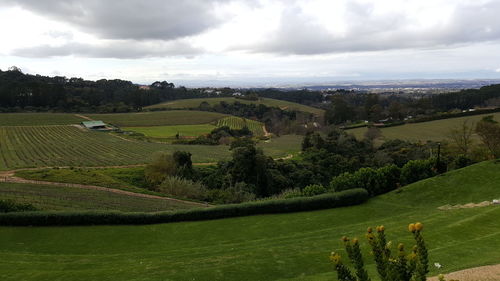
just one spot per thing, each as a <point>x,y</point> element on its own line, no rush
<point>95,125</point>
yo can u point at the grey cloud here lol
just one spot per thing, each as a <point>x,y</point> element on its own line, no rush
<point>113,49</point>
<point>298,34</point>
<point>129,19</point>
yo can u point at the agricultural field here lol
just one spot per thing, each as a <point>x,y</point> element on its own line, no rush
<point>58,198</point>
<point>193,103</point>
<point>38,119</point>
<point>267,247</point>
<point>283,146</point>
<point>44,146</point>
<point>158,118</point>
<point>437,130</point>
<point>171,131</point>
<point>238,123</point>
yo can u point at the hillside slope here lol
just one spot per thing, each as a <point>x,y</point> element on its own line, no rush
<point>271,247</point>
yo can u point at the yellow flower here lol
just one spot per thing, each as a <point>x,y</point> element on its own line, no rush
<point>335,258</point>
<point>401,247</point>
<point>411,227</point>
<point>369,230</point>
<point>355,241</point>
<point>344,238</point>
<point>380,228</point>
<point>419,226</point>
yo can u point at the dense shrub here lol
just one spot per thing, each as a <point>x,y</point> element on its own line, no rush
<point>416,170</point>
<point>8,205</point>
<point>324,201</point>
<point>184,188</point>
<point>313,189</point>
<point>375,181</point>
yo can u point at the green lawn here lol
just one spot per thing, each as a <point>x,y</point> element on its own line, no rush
<point>193,103</point>
<point>171,131</point>
<point>437,130</point>
<point>268,247</point>
<point>159,118</point>
<point>283,146</point>
<point>57,198</point>
<point>38,119</point>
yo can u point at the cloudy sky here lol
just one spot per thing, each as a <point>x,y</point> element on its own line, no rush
<point>193,42</point>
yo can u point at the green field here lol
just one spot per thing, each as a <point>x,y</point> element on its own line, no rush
<point>238,123</point>
<point>437,130</point>
<point>38,119</point>
<point>193,103</point>
<point>158,118</point>
<point>45,146</point>
<point>57,198</point>
<point>268,247</point>
<point>283,146</point>
<point>171,131</point>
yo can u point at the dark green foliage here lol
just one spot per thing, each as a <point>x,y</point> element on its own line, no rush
<point>7,206</point>
<point>325,201</point>
<point>416,170</point>
<point>461,161</point>
<point>375,181</point>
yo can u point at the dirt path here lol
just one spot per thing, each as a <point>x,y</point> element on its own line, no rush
<point>482,273</point>
<point>8,176</point>
<point>266,133</point>
<point>84,117</point>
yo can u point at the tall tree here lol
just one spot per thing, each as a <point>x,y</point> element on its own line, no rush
<point>461,136</point>
<point>489,132</point>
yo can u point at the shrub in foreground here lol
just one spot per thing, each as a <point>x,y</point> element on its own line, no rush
<point>399,266</point>
<point>8,205</point>
<point>324,201</point>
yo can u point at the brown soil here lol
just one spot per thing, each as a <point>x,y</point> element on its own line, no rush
<point>483,273</point>
<point>465,206</point>
<point>84,117</point>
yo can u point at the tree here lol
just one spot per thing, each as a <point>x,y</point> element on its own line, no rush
<point>373,133</point>
<point>461,136</point>
<point>489,132</point>
<point>162,166</point>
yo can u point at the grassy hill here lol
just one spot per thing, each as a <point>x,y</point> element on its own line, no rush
<point>193,103</point>
<point>270,247</point>
<point>433,130</point>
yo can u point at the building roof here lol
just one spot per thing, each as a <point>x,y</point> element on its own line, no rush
<point>92,124</point>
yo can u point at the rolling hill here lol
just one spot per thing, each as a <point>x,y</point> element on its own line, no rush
<point>268,247</point>
<point>194,103</point>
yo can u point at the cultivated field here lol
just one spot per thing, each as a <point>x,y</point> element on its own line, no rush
<point>158,118</point>
<point>269,247</point>
<point>57,198</point>
<point>193,103</point>
<point>37,119</point>
<point>171,131</point>
<point>44,146</point>
<point>238,123</point>
<point>437,130</point>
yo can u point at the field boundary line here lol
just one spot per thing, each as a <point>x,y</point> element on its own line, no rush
<point>84,117</point>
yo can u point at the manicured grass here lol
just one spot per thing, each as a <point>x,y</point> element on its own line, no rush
<point>437,130</point>
<point>47,146</point>
<point>269,247</point>
<point>194,103</point>
<point>57,198</point>
<point>282,146</point>
<point>38,119</point>
<point>158,118</point>
<point>171,131</point>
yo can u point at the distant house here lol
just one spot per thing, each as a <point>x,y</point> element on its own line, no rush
<point>95,125</point>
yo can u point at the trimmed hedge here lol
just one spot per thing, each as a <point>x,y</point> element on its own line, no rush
<point>324,201</point>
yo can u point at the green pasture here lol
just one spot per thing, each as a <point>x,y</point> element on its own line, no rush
<point>57,198</point>
<point>171,131</point>
<point>38,119</point>
<point>292,246</point>
<point>158,118</point>
<point>193,103</point>
<point>437,130</point>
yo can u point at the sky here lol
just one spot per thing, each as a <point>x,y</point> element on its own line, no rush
<point>252,42</point>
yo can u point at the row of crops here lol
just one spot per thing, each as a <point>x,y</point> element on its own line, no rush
<point>238,123</point>
<point>44,146</point>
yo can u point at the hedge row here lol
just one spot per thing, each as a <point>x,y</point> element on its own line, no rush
<point>324,201</point>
